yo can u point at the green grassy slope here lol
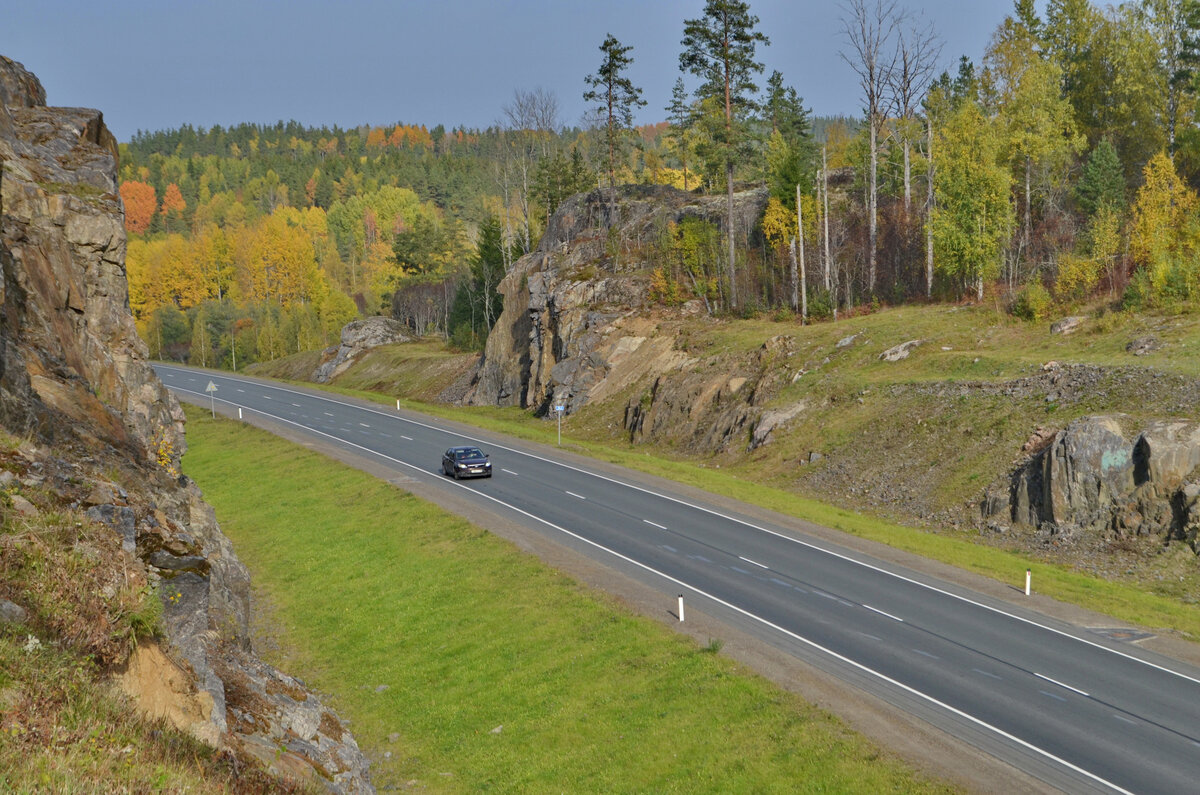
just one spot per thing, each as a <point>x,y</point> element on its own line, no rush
<point>479,668</point>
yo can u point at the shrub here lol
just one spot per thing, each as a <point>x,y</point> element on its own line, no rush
<point>663,289</point>
<point>1032,302</point>
<point>1077,276</point>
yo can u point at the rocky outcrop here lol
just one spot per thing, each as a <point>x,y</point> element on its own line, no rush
<point>713,405</point>
<point>358,337</point>
<point>75,380</point>
<point>1093,477</point>
<point>572,331</point>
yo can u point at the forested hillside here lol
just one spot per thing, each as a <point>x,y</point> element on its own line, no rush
<point>1057,167</point>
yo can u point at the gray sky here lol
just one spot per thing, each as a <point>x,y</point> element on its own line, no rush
<point>156,64</point>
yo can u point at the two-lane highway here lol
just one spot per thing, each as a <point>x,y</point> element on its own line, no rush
<point>1071,708</point>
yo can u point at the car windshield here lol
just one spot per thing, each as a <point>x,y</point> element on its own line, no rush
<point>467,452</point>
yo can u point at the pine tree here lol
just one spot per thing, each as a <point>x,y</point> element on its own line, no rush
<point>719,49</point>
<point>617,96</point>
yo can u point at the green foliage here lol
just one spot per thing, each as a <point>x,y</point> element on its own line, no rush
<point>477,301</point>
<point>1032,302</point>
<point>1077,276</point>
<point>559,177</point>
<point>973,215</point>
<point>1102,184</point>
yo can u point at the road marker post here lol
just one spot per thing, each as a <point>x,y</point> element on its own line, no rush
<point>681,607</point>
<point>211,389</point>
<point>239,412</point>
<point>1028,577</point>
<point>559,411</point>
<point>397,404</point>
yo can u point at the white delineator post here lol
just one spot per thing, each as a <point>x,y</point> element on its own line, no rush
<point>239,412</point>
<point>1028,577</point>
<point>681,607</point>
<point>397,404</point>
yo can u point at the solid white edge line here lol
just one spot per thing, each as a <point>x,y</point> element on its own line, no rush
<point>719,515</point>
<point>1060,684</point>
<point>654,524</point>
<point>742,611</point>
<point>753,562</point>
<point>880,612</point>
<point>743,522</point>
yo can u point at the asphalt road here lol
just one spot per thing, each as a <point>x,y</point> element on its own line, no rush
<point>1073,709</point>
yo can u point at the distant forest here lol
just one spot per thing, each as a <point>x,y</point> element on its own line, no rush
<point>1059,169</point>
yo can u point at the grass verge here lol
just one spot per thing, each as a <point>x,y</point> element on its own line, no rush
<point>488,669</point>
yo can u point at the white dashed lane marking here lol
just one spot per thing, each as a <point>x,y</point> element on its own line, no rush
<point>880,612</point>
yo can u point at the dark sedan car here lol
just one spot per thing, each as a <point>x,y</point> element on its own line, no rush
<point>466,462</point>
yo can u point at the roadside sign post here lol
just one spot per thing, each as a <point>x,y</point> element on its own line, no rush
<point>559,411</point>
<point>211,389</point>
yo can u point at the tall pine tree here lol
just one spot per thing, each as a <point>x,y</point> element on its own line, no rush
<point>617,96</point>
<point>719,49</point>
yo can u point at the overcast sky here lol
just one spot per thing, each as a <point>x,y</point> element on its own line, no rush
<point>156,64</point>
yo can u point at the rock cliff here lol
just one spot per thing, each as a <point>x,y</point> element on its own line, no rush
<point>573,329</point>
<point>1093,476</point>
<point>75,383</point>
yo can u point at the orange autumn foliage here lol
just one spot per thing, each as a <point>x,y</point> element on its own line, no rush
<point>140,203</point>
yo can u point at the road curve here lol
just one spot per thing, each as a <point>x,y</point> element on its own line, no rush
<point>1076,710</point>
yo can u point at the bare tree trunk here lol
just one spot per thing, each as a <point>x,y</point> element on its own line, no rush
<point>929,215</point>
<point>907,180</point>
<point>872,214</point>
<point>793,280</point>
<point>803,273</point>
<point>825,217</point>
<point>1025,244</point>
<point>729,231</point>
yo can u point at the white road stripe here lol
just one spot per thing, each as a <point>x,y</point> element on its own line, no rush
<point>1060,684</point>
<point>880,612</point>
<point>364,425</point>
<point>927,654</point>
<point>502,469</point>
<point>988,674</point>
<point>654,524</point>
<point>409,438</point>
<point>579,496</point>
<point>297,405</point>
<point>753,562</point>
<point>326,413</point>
<point>1123,718</point>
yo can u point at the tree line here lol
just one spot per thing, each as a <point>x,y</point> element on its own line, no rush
<point>1060,166</point>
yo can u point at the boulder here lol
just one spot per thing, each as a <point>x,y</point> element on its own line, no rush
<point>1143,345</point>
<point>773,419</point>
<point>358,337</point>
<point>1090,477</point>
<point>1068,325</point>
<point>900,351</point>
